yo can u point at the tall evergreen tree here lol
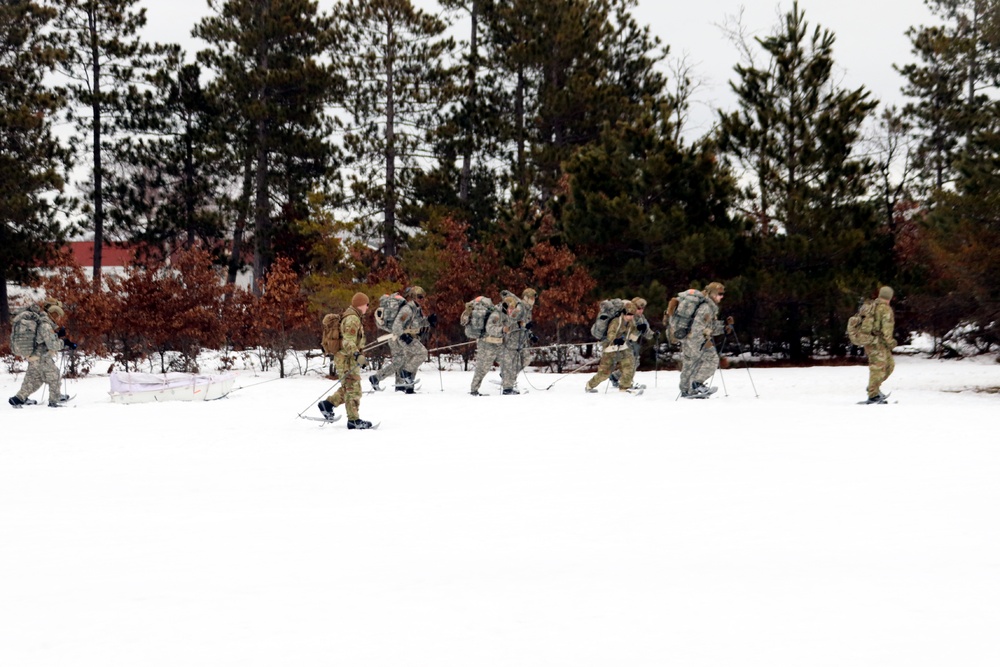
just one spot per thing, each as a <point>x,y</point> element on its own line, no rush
<point>399,82</point>
<point>271,60</point>
<point>32,163</point>
<point>794,133</point>
<point>108,71</point>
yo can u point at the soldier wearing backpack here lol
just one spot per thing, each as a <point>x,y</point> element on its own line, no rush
<point>699,358</point>
<point>407,350</point>
<point>616,351</point>
<point>642,330</point>
<point>489,341</point>
<point>349,360</point>
<point>37,335</point>
<point>518,337</point>
<point>879,351</point>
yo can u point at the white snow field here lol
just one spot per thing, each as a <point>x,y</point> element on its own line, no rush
<point>556,528</point>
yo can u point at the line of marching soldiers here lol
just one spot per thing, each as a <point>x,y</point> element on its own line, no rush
<point>505,337</point>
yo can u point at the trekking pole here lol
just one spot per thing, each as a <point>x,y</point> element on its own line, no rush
<point>323,395</point>
<point>575,370</point>
<point>739,346</point>
<point>450,347</point>
<point>380,341</point>
<point>656,355</point>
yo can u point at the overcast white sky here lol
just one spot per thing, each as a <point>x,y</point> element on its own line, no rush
<point>870,38</point>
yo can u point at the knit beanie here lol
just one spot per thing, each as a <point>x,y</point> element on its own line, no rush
<point>359,299</point>
<point>885,293</point>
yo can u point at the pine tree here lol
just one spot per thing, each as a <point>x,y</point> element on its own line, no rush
<point>32,164</point>
<point>794,134</point>
<point>108,71</point>
<point>394,60</point>
<point>270,58</point>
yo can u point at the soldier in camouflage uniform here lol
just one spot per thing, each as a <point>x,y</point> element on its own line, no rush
<point>880,361</point>
<point>642,330</point>
<point>700,359</point>
<point>517,336</point>
<point>407,350</point>
<point>349,361</point>
<point>488,348</point>
<point>42,369</point>
<point>616,351</point>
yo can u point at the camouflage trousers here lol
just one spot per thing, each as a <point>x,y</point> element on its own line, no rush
<point>880,367</point>
<point>349,392</point>
<point>623,359</point>
<point>486,354</point>
<point>635,347</point>
<point>698,362</point>
<point>404,358</point>
<point>41,371</point>
<point>512,360</point>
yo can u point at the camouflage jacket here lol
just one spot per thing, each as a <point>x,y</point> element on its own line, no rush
<point>352,332</point>
<point>619,328</point>
<point>47,341</point>
<point>409,320</point>
<point>705,324</point>
<point>494,328</point>
<point>884,324</point>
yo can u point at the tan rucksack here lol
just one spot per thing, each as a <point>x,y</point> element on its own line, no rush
<point>331,334</point>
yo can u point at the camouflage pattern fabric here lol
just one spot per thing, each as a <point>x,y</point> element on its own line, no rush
<point>406,357</point>
<point>880,361</point>
<point>488,348</point>
<point>513,355</point>
<point>42,367</point>
<point>616,355</point>
<point>699,358</point>
<point>352,335</point>
<point>635,343</point>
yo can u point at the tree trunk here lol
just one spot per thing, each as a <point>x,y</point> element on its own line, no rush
<point>463,190</point>
<point>236,255</point>
<point>98,168</point>
<point>389,229</point>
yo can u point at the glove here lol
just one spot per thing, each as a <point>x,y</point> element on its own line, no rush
<point>641,328</point>
<point>728,328</point>
<point>61,332</point>
<point>361,359</point>
<point>619,341</point>
<point>70,344</point>
<point>406,338</point>
<point>432,319</point>
<point>529,325</point>
<point>730,320</point>
<point>533,338</point>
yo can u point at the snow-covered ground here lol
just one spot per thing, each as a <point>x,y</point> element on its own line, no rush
<point>555,528</point>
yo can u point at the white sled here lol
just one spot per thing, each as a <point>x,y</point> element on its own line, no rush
<point>156,387</point>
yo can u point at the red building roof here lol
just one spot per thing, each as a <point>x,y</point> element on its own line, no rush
<point>111,255</point>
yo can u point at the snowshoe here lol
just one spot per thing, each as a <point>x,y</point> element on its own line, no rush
<point>693,394</point>
<point>700,388</point>
<point>881,399</point>
<point>510,392</point>
<point>590,390</point>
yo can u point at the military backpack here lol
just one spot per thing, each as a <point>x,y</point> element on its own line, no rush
<point>679,320</point>
<point>608,310</point>
<point>331,334</point>
<point>860,325</point>
<point>475,316</point>
<point>388,307</point>
<point>24,330</point>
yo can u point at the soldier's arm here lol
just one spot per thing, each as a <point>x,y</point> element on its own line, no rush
<point>350,332</point>
<point>49,338</point>
<point>402,321</point>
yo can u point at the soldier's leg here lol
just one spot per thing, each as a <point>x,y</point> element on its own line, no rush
<point>880,366</point>
<point>414,355</point>
<point>32,380</point>
<point>705,366</point>
<point>50,376</point>
<point>689,360</point>
<point>395,364</point>
<point>603,370</point>
<point>508,367</point>
<point>486,354</point>
<point>627,366</point>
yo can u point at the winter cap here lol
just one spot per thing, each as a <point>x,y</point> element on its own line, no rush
<point>639,302</point>
<point>715,288</point>
<point>415,292</point>
<point>54,310</point>
<point>359,299</point>
<point>529,294</point>
<point>885,292</point>
<point>630,308</point>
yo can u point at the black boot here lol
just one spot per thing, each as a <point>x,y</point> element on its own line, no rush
<point>358,423</point>
<point>375,385</point>
<point>510,392</point>
<point>326,409</point>
<point>15,402</point>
